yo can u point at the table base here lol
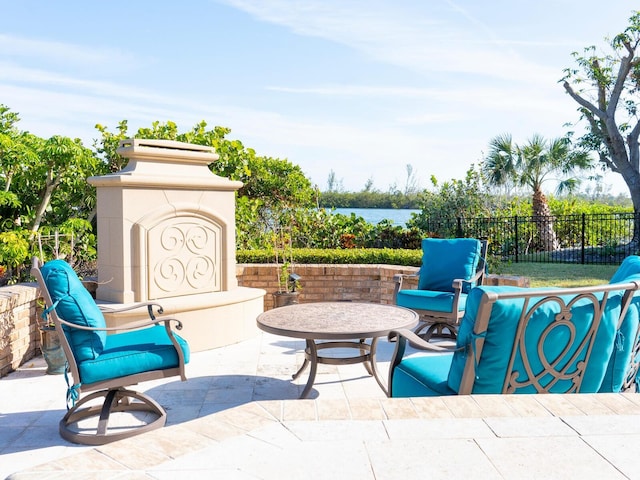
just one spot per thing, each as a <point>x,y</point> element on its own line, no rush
<point>367,357</point>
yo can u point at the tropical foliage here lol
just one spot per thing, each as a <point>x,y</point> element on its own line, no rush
<point>43,182</point>
<point>531,165</point>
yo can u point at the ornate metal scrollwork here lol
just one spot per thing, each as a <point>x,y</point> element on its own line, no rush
<point>561,348</point>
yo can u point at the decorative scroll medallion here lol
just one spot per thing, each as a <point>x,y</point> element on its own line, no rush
<point>184,258</point>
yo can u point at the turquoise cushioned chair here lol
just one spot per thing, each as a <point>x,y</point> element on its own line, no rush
<point>623,373</point>
<point>519,340</point>
<point>106,364</point>
<point>450,268</point>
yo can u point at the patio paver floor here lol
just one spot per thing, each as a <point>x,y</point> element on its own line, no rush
<point>239,417</point>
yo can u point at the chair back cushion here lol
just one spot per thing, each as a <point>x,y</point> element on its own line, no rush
<point>74,303</point>
<point>444,260</point>
<point>541,341</point>
<point>628,335</point>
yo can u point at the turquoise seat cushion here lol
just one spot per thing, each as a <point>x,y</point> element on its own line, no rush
<point>422,376</point>
<point>429,300</point>
<point>133,352</point>
<point>444,260</point>
<point>627,335</point>
<point>493,363</point>
<point>75,304</point>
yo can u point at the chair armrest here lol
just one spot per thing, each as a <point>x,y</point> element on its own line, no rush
<point>148,305</point>
<point>132,326</point>
<point>417,342</point>
<point>479,273</point>
<point>458,282</point>
<point>398,278</point>
<point>402,337</point>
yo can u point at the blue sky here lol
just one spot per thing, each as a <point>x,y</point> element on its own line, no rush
<point>360,87</point>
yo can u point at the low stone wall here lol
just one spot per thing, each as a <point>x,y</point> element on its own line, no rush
<point>19,334</point>
<point>327,282</point>
<point>511,280</point>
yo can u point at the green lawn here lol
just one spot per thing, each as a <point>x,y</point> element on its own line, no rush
<point>560,274</point>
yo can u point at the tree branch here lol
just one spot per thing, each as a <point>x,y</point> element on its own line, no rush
<point>608,163</point>
<point>625,67</point>
<point>583,102</point>
<point>602,91</point>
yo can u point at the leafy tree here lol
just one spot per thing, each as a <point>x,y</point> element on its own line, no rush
<point>106,147</point>
<point>42,183</point>
<point>411,183</point>
<point>8,119</point>
<point>531,165</point>
<point>9,145</point>
<point>14,154</point>
<point>14,250</point>
<point>62,162</point>
<point>271,189</point>
<point>333,184</point>
<point>368,186</point>
<point>606,88</point>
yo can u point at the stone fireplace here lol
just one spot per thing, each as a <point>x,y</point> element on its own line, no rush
<point>166,233</point>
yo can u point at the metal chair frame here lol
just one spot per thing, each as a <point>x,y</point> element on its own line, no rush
<point>117,398</point>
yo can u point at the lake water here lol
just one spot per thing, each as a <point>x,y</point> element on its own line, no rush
<point>398,216</point>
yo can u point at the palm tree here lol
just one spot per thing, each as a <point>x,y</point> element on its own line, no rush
<point>532,164</point>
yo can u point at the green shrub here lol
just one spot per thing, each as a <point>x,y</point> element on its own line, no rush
<point>385,256</point>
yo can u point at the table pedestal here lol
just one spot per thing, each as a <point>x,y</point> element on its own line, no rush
<point>367,357</point>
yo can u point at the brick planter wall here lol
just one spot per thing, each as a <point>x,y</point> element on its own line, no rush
<point>19,334</point>
<point>327,282</point>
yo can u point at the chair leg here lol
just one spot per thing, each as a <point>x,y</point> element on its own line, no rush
<point>436,330</point>
<point>116,400</point>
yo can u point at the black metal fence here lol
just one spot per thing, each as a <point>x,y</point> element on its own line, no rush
<point>584,238</point>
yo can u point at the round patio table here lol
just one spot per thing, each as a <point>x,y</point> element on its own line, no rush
<point>339,325</point>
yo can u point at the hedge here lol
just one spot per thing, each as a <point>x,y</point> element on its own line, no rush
<point>386,256</point>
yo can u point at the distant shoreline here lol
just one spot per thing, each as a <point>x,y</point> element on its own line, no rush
<point>399,216</point>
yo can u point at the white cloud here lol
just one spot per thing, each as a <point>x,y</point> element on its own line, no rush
<point>15,74</point>
<point>69,53</point>
<point>422,38</point>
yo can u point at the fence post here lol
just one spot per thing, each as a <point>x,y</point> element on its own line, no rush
<point>459,228</point>
<point>515,219</point>
<point>582,239</point>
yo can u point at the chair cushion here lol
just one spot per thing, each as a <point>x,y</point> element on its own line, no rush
<point>422,376</point>
<point>491,367</point>
<point>133,352</point>
<point>444,260</point>
<point>429,300</point>
<point>627,335</point>
<point>75,305</point>
<point>630,266</point>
